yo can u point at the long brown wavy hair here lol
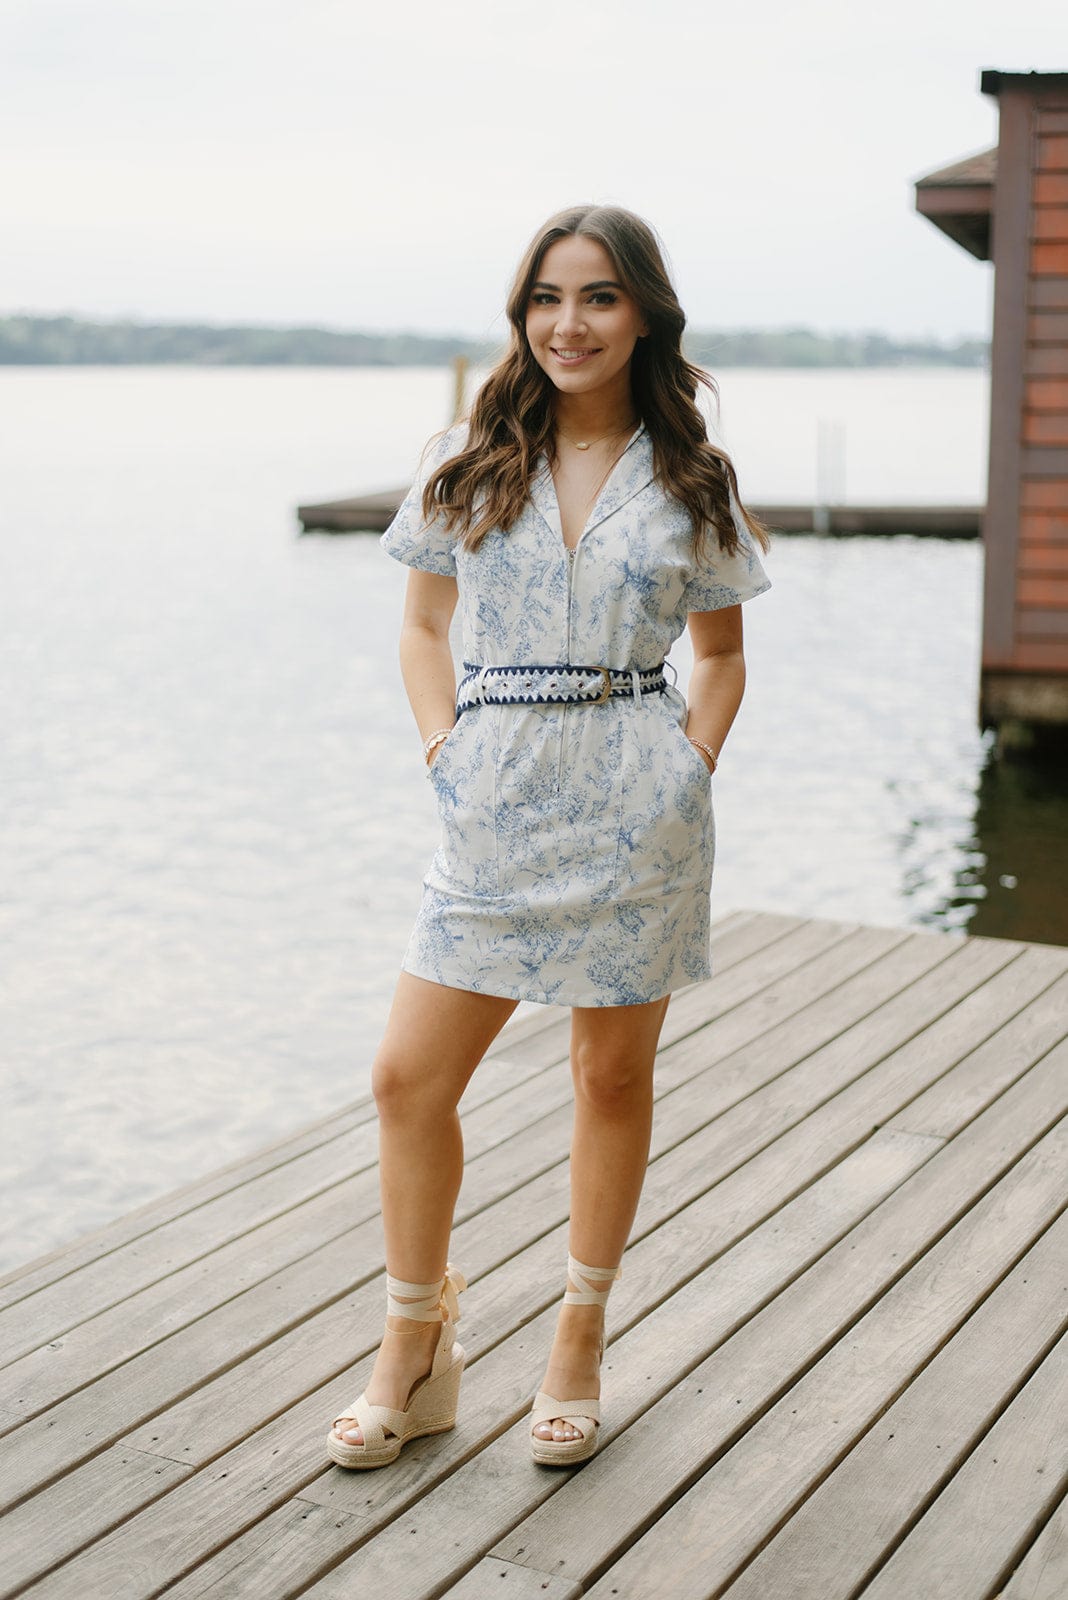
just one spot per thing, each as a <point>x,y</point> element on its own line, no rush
<point>512,420</point>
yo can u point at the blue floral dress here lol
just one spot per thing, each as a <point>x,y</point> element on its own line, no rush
<point>577,841</point>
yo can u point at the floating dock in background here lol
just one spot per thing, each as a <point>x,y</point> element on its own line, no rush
<point>836,1361</point>
<point>372,513</point>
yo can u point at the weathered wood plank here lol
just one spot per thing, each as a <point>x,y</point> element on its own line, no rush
<point>656,1340</point>
<point>493,1577</point>
<point>45,1531</point>
<point>702,1413</point>
<point>863,1021</point>
<point>846,1527</point>
<point>1043,1573</point>
<point>981,1076</point>
<point>497,1391</point>
<point>647,1468</point>
<point>989,1513</point>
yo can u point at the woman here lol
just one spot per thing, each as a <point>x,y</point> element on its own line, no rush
<point>580,518</point>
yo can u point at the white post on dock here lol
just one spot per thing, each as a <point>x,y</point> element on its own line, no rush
<point>830,471</point>
<point>459,393</point>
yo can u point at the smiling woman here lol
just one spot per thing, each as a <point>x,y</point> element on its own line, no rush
<point>581,519</point>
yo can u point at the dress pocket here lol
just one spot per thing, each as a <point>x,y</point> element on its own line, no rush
<point>693,754</point>
<point>462,778</point>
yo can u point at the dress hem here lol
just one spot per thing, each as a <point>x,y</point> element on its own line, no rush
<point>539,997</point>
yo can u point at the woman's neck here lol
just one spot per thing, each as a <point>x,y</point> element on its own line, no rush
<point>594,416</point>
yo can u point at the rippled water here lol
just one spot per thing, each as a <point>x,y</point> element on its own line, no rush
<point>214,818</point>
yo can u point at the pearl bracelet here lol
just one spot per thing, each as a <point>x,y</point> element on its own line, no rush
<point>431,744</point>
<point>708,750</point>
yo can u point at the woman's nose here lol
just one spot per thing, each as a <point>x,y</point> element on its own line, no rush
<point>570,319</point>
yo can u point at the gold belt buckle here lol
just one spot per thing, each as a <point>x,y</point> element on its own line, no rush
<point>607,690</point>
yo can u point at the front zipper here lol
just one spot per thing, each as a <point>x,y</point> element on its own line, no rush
<point>567,658</point>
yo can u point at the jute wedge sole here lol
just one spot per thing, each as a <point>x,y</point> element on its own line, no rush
<point>432,1402</point>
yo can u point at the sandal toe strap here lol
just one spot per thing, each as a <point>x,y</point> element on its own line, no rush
<point>577,1412</point>
<point>373,1422</point>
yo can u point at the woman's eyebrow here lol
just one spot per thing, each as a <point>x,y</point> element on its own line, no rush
<point>587,288</point>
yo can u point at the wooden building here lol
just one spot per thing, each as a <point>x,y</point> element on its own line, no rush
<point>1010,206</point>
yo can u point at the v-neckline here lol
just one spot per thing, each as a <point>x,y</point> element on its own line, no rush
<point>591,518</point>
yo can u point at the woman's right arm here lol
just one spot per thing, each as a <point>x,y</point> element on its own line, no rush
<point>425,656</point>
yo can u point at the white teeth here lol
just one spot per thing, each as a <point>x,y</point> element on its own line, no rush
<point>568,354</point>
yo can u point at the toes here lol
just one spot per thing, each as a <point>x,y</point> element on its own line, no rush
<point>347,1431</point>
<point>558,1431</point>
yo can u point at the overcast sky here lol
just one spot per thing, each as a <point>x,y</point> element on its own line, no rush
<point>381,165</point>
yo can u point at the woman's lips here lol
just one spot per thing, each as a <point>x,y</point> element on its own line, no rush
<point>572,358</point>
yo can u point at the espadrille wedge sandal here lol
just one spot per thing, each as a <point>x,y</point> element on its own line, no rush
<point>432,1401</point>
<point>583,1415</point>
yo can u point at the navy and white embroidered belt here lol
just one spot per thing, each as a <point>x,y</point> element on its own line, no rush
<point>535,685</point>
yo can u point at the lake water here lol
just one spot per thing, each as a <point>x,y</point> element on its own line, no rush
<point>214,818</point>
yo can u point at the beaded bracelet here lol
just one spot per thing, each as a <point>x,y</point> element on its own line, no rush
<point>431,744</point>
<point>708,750</point>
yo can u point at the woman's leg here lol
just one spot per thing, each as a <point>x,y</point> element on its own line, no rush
<point>612,1053</point>
<point>434,1039</point>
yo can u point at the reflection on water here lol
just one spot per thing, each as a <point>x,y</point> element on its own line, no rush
<point>1011,880</point>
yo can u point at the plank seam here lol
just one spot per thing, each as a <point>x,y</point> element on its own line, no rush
<point>891,1400</point>
<point>939,1487</point>
<point>1027,1544</point>
<point>71,1555</point>
<point>773,1399</point>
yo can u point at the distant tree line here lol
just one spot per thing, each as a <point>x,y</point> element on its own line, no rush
<point>72,341</point>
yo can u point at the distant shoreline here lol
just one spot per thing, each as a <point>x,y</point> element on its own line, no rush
<point>73,341</point>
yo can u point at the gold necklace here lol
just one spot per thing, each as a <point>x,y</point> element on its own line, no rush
<point>584,444</point>
<point>592,501</point>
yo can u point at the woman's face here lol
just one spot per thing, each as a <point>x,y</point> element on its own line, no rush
<point>582,325</point>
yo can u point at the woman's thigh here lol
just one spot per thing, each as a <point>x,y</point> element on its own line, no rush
<point>435,1037</point>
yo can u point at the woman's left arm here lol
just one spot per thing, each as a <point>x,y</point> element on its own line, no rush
<point>717,682</point>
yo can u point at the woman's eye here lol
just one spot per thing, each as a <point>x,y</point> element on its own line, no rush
<point>543,298</point>
<point>603,297</point>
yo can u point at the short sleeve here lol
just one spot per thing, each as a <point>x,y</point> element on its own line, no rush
<point>723,580</point>
<point>409,538</point>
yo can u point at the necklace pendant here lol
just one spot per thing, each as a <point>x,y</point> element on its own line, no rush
<point>581,446</point>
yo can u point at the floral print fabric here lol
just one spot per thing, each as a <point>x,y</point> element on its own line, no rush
<point>577,841</point>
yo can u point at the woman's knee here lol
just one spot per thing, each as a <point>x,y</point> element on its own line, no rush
<point>403,1087</point>
<point>610,1079</point>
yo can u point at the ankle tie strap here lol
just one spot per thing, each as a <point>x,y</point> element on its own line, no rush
<point>588,1277</point>
<point>427,1302</point>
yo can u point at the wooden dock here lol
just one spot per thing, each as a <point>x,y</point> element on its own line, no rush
<point>836,1363</point>
<point>372,513</point>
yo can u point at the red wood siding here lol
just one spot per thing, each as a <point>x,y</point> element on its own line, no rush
<point>1040,609</point>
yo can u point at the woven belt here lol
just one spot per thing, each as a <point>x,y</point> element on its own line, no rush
<point>533,685</point>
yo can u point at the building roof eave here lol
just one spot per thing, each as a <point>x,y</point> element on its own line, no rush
<point>959,199</point>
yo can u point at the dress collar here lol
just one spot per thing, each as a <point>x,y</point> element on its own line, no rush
<point>628,477</point>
